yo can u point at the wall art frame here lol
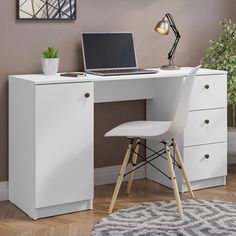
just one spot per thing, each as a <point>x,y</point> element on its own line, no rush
<point>48,10</point>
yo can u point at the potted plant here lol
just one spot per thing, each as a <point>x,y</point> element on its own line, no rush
<point>50,61</point>
<point>221,55</point>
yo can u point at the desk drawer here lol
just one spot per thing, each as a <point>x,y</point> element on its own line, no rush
<point>206,161</point>
<point>207,126</point>
<point>209,92</point>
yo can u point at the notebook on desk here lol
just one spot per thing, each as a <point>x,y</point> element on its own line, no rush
<point>108,54</point>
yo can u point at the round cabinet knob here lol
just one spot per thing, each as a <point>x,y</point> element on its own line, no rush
<point>87,95</point>
<point>207,86</point>
<point>207,121</point>
<point>207,156</point>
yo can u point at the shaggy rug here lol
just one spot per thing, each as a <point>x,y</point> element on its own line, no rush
<point>201,218</point>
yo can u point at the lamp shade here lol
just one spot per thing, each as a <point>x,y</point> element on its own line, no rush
<point>162,27</point>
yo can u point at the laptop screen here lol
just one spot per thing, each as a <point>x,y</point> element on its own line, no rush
<point>108,51</point>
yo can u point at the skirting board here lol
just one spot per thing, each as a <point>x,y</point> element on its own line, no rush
<point>103,175</point>
<point>231,159</point>
<point>108,175</point>
<point>4,191</point>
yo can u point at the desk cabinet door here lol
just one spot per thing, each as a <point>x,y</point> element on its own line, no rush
<point>64,143</point>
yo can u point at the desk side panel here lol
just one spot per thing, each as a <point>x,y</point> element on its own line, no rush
<point>22,144</point>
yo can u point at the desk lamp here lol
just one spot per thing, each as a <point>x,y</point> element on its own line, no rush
<point>162,28</point>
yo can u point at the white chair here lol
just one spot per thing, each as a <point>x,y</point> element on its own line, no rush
<point>162,131</point>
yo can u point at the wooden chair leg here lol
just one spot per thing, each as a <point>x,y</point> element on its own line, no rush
<point>120,178</point>
<point>173,180</point>
<point>134,160</point>
<point>184,173</point>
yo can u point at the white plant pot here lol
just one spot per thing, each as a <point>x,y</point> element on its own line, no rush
<point>50,65</point>
<point>231,145</point>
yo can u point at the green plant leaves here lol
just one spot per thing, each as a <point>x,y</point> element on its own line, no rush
<point>221,55</point>
<point>51,52</point>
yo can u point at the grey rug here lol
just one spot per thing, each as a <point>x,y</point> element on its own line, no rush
<point>201,218</point>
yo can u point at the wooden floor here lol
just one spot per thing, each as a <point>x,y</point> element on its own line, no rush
<point>15,222</point>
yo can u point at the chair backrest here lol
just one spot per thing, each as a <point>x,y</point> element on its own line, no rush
<point>180,118</point>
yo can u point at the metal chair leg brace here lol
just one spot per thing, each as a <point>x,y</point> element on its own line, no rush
<point>145,160</point>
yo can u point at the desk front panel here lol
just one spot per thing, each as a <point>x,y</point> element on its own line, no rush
<point>124,90</point>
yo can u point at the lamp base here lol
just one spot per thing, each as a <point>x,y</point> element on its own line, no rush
<point>170,67</point>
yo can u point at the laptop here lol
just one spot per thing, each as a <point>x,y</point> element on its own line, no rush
<point>109,54</point>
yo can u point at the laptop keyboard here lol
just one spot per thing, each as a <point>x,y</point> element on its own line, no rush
<point>122,72</point>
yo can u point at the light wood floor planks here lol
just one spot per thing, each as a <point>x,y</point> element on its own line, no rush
<point>14,222</point>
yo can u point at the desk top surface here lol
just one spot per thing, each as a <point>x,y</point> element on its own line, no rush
<point>49,79</point>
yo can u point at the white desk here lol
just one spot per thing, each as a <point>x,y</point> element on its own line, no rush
<point>51,133</point>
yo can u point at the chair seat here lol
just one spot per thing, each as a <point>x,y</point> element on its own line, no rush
<point>140,129</point>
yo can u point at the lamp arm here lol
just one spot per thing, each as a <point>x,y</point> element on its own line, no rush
<point>177,35</point>
<point>173,49</point>
<point>172,24</point>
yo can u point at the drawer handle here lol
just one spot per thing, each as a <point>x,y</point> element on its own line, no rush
<point>207,121</point>
<point>87,95</point>
<point>207,86</point>
<point>207,156</point>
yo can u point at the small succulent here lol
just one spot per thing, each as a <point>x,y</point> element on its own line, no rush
<point>50,52</point>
